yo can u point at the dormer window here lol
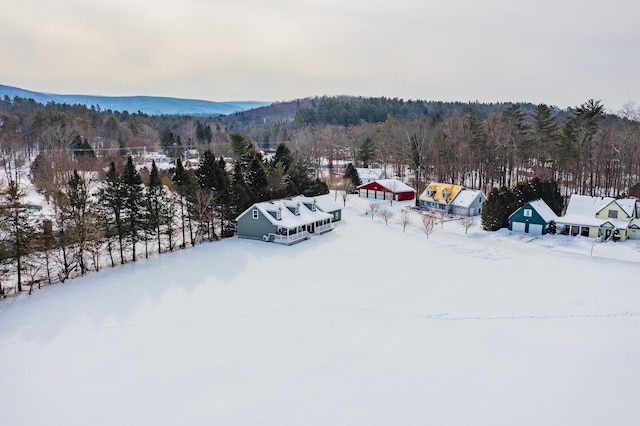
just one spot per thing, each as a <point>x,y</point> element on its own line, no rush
<point>613,214</point>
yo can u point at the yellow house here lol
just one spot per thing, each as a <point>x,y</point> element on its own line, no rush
<point>601,217</point>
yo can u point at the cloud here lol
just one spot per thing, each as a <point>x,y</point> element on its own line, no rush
<point>554,52</point>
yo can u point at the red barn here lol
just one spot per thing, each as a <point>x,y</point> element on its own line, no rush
<point>386,189</point>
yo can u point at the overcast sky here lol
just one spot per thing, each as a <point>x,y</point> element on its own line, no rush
<point>558,52</point>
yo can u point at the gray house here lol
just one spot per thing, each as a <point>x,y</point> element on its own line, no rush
<point>468,202</point>
<point>285,221</point>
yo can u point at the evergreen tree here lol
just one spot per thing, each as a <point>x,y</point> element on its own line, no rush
<point>133,204</point>
<point>183,187</point>
<point>241,195</point>
<point>154,201</point>
<point>112,202</point>
<point>366,152</point>
<point>352,174</point>
<point>240,144</point>
<point>501,203</point>
<point>545,126</point>
<point>282,156</point>
<point>212,177</point>
<point>18,227</point>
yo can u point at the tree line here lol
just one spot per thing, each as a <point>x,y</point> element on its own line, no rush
<point>116,215</point>
<point>309,142</point>
<point>482,146</point>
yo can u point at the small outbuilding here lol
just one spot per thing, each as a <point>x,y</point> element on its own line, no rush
<point>535,218</point>
<point>387,189</point>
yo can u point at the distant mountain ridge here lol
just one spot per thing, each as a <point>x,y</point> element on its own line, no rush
<point>152,105</point>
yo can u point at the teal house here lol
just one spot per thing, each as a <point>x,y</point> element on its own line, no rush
<point>535,218</point>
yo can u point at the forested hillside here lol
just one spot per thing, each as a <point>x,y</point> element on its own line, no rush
<point>87,165</point>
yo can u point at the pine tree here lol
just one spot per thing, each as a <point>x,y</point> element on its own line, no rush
<point>112,202</point>
<point>18,227</point>
<point>133,200</point>
<point>352,174</point>
<point>545,126</point>
<point>366,152</point>
<point>283,156</point>
<point>183,187</point>
<point>153,203</point>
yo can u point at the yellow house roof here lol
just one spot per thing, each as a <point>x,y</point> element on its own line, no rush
<point>441,192</point>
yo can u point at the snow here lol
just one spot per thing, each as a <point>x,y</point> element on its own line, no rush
<point>365,325</point>
<point>544,210</point>
<point>288,219</point>
<point>466,197</point>
<point>586,205</point>
<point>392,185</point>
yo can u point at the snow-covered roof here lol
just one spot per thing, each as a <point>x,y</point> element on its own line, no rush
<point>370,174</point>
<point>586,205</point>
<point>582,210</point>
<point>287,218</point>
<point>583,220</point>
<point>325,202</point>
<point>628,205</point>
<point>393,185</point>
<point>544,210</point>
<point>466,197</point>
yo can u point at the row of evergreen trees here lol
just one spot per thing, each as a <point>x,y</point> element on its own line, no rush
<point>117,213</point>
<point>502,202</point>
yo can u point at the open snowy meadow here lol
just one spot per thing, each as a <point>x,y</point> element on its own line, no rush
<point>364,325</point>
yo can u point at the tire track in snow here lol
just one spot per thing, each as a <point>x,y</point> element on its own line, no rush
<point>427,317</point>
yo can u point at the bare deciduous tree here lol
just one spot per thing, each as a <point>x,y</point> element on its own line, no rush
<point>428,222</point>
<point>373,209</point>
<point>467,222</point>
<point>386,213</point>
<point>346,188</point>
<point>404,219</point>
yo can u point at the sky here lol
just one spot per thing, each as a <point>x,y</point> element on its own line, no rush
<point>558,52</point>
<point>364,325</point>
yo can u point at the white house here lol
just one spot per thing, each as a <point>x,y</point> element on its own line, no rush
<point>369,175</point>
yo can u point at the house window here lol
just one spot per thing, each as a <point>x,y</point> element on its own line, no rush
<point>255,213</point>
<point>528,213</point>
<point>613,214</point>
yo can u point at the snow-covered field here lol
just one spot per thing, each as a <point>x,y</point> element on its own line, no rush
<point>365,325</point>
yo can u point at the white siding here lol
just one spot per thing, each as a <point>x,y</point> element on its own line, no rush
<point>518,226</point>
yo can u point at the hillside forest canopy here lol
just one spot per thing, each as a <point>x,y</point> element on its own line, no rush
<point>86,163</point>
